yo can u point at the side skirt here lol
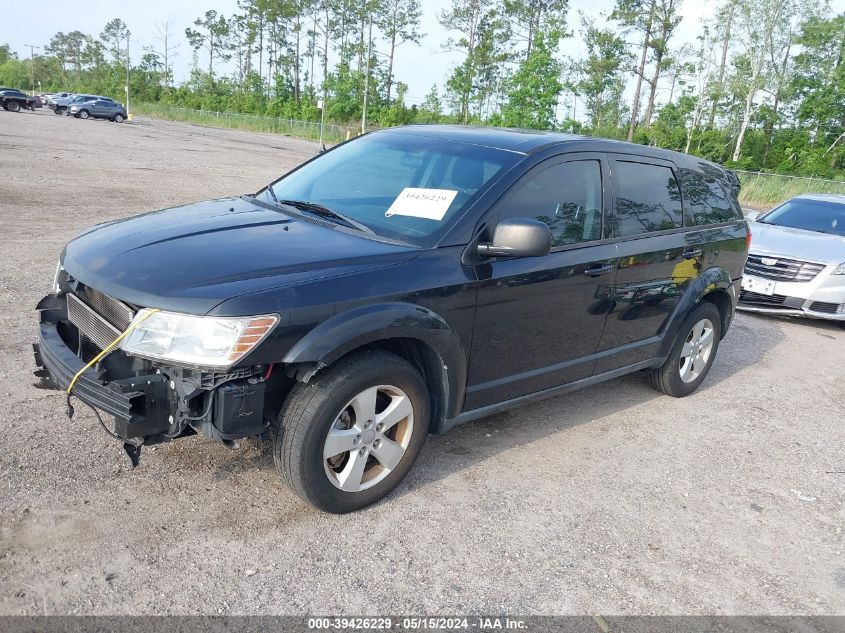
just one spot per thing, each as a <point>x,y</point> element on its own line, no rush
<point>481,412</point>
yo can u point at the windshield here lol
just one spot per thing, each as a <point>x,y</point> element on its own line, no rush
<point>810,215</point>
<point>401,186</point>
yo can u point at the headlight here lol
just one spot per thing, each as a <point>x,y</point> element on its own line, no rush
<point>215,342</point>
<point>840,270</point>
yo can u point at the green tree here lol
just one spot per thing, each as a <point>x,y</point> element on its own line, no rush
<point>399,21</point>
<point>533,90</point>
<point>212,34</point>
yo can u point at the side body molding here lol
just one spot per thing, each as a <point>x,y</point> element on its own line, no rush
<point>382,321</point>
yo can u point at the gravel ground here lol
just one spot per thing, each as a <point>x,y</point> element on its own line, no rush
<point>609,500</point>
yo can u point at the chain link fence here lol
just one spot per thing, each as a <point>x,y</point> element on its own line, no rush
<point>763,190</point>
<point>332,133</point>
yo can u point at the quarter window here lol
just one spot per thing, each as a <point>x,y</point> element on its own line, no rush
<point>567,197</point>
<point>647,198</point>
<point>706,198</point>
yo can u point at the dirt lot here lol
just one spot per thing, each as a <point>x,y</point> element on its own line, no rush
<point>610,500</point>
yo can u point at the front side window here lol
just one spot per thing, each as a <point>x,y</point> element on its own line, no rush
<point>566,196</point>
<point>401,186</point>
<point>647,199</point>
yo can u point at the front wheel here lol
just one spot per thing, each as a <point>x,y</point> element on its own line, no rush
<point>347,438</point>
<point>118,118</point>
<point>693,353</point>
<point>83,114</point>
<point>13,106</point>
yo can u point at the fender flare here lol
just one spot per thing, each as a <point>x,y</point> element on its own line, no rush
<point>360,326</point>
<point>710,280</point>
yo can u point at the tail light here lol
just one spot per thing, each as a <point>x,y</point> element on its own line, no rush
<point>748,238</point>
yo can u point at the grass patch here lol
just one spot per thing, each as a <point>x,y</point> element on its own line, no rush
<point>763,191</point>
<point>253,122</point>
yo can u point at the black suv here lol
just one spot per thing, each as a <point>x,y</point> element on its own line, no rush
<point>396,285</point>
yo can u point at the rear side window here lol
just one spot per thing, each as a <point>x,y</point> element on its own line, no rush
<point>566,196</point>
<point>707,199</point>
<point>647,199</point>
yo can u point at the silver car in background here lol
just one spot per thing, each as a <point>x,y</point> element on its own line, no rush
<point>796,265</point>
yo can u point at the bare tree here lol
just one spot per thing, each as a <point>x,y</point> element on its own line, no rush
<point>168,48</point>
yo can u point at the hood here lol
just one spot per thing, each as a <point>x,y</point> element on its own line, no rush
<point>797,243</point>
<point>191,258</point>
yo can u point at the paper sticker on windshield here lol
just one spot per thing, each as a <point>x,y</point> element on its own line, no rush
<point>431,204</point>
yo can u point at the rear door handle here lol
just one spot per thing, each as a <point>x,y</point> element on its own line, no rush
<point>692,253</point>
<point>595,271</point>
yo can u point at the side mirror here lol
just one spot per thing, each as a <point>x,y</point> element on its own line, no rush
<point>518,237</point>
<point>751,216</point>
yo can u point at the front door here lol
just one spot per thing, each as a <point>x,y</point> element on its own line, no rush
<point>539,319</point>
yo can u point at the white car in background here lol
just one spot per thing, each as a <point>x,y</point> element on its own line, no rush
<point>796,265</point>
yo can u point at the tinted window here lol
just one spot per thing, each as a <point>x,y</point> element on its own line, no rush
<point>811,215</point>
<point>706,198</point>
<point>566,196</point>
<point>363,178</point>
<point>647,198</point>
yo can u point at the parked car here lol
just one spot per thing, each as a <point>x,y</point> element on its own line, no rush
<point>50,98</point>
<point>99,109</point>
<point>797,266</point>
<point>62,106</point>
<point>398,284</point>
<point>15,100</point>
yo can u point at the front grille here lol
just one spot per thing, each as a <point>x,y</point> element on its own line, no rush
<point>824,306</point>
<point>115,312</point>
<point>782,269</point>
<point>91,325</point>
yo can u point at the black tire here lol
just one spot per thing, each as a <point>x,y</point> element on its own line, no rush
<point>118,118</point>
<point>82,114</point>
<point>311,411</point>
<point>13,106</point>
<point>57,111</point>
<point>667,377</point>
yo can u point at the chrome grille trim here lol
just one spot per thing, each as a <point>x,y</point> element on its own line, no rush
<point>90,324</point>
<point>115,312</point>
<point>783,270</point>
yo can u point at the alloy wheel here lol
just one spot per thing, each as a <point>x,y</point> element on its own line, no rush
<point>696,350</point>
<point>368,438</point>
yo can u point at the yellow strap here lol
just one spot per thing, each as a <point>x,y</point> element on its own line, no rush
<point>110,346</point>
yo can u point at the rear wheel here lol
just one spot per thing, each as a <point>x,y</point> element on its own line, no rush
<point>348,437</point>
<point>13,106</point>
<point>693,353</point>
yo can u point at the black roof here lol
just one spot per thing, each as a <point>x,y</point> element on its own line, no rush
<point>527,142</point>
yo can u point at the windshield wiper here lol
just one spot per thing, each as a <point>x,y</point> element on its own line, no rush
<point>322,211</point>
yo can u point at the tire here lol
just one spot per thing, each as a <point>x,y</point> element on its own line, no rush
<point>118,118</point>
<point>82,114</point>
<point>687,367</point>
<point>332,402</point>
<point>13,106</point>
<point>57,111</point>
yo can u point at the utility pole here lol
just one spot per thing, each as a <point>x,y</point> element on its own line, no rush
<point>32,48</point>
<point>128,115</point>
<point>367,76</point>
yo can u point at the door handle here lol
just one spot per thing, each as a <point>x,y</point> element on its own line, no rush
<point>692,253</point>
<point>598,270</point>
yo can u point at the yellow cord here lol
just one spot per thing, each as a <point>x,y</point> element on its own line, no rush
<point>110,346</point>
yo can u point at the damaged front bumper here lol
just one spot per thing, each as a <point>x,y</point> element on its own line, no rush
<point>150,402</point>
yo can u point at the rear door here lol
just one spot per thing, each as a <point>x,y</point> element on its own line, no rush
<point>657,261</point>
<point>539,319</point>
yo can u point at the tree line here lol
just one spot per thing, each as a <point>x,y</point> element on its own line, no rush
<point>762,87</point>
